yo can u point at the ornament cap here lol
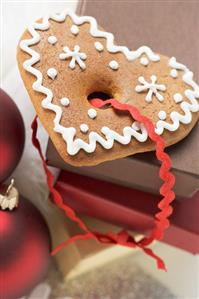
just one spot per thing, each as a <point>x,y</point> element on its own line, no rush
<point>10,200</point>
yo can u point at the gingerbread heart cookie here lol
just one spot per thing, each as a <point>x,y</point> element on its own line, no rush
<point>66,60</point>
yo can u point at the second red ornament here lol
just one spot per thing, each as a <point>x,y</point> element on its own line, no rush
<point>25,246</point>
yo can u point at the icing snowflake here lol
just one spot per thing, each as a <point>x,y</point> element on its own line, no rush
<point>75,55</point>
<point>152,88</point>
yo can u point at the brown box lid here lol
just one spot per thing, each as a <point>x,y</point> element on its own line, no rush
<point>170,28</point>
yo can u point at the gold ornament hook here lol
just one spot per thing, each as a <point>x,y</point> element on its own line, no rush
<point>12,182</point>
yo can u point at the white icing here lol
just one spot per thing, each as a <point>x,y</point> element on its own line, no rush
<point>65,102</point>
<point>177,98</point>
<point>151,87</point>
<point>74,29</point>
<point>52,73</point>
<point>176,65</point>
<point>98,46</point>
<point>126,137</point>
<point>144,61</point>
<point>113,64</point>
<point>92,113</point>
<point>75,55</point>
<point>52,39</point>
<point>68,134</point>
<point>187,107</point>
<point>174,73</point>
<point>74,145</point>
<point>162,115</point>
<point>84,128</point>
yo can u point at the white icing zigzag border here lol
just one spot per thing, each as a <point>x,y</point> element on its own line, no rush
<point>186,107</point>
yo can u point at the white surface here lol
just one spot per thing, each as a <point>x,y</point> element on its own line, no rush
<point>182,277</point>
<point>42,291</point>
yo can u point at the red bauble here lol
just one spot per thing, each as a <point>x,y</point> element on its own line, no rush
<point>24,250</point>
<point>11,135</point>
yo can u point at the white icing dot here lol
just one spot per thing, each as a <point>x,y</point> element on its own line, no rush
<point>52,73</point>
<point>92,113</point>
<point>144,61</point>
<point>113,64</point>
<point>177,97</point>
<point>74,29</point>
<point>65,101</point>
<point>174,73</point>
<point>99,47</point>
<point>84,128</point>
<point>52,39</point>
<point>162,115</point>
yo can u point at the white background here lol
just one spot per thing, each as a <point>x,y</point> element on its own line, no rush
<point>182,277</point>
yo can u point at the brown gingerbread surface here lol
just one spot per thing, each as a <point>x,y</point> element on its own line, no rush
<point>77,84</point>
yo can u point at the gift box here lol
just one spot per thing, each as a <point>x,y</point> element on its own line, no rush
<point>129,208</point>
<point>152,23</point>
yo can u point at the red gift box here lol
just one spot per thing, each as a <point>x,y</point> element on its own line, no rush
<point>130,208</point>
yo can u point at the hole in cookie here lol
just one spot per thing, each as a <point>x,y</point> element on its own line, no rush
<point>99,95</point>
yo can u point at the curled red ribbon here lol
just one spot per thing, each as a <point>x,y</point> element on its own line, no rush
<point>122,238</point>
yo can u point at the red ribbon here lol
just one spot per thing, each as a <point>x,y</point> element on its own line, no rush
<point>122,238</point>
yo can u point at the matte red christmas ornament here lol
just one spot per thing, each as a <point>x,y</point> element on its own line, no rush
<point>12,136</point>
<point>24,245</point>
